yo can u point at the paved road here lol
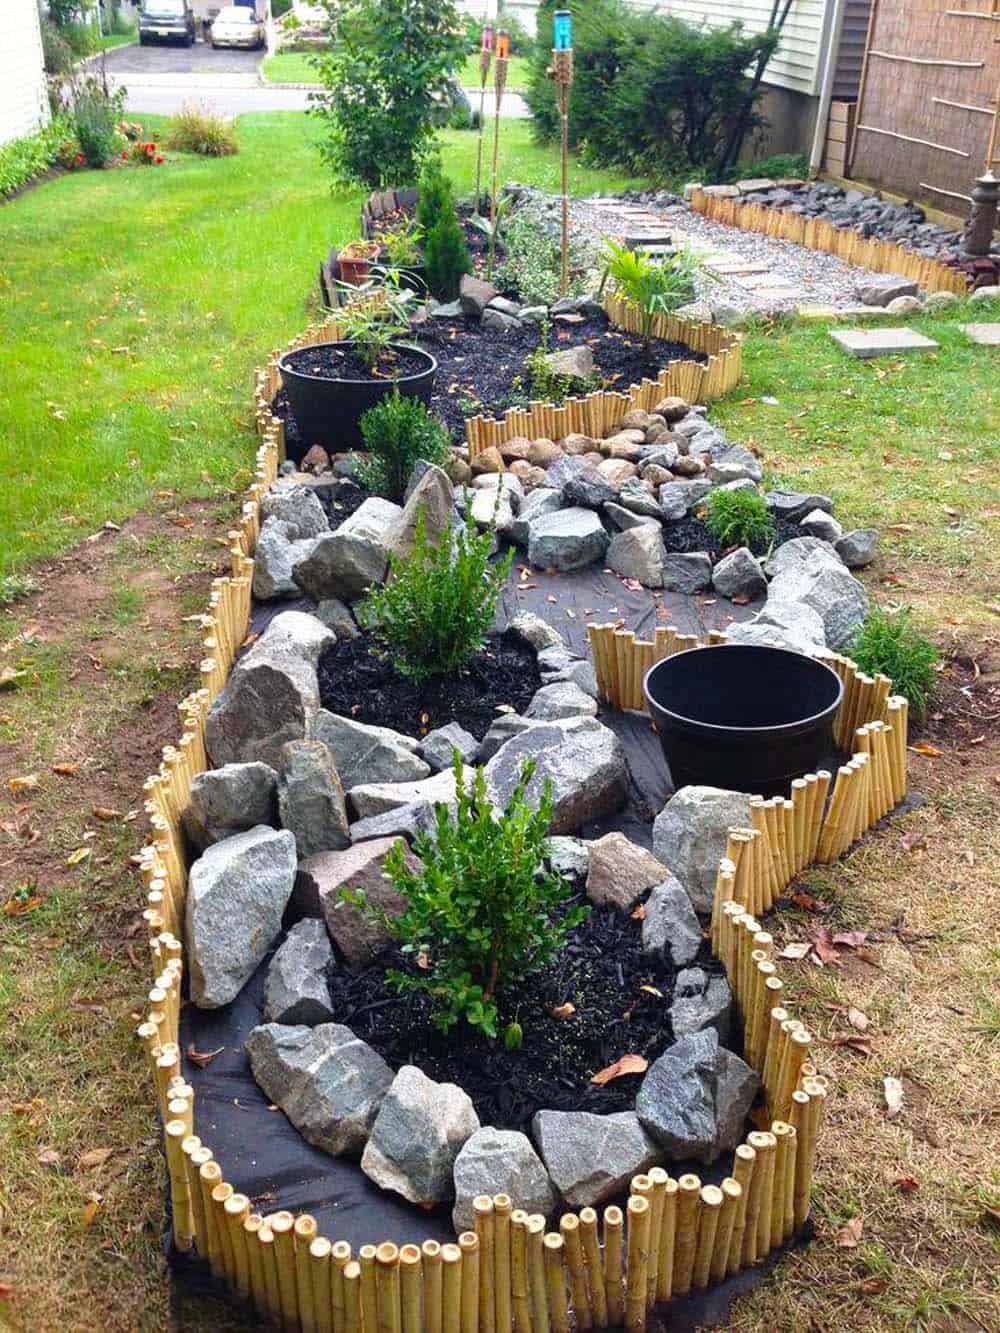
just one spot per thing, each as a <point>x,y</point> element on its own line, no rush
<point>161,58</point>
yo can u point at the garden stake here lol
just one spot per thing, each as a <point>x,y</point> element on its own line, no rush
<point>595,1275</point>
<point>766,1152</point>
<point>209,1175</point>
<point>658,1179</point>
<point>482,1206</point>
<point>194,1156</point>
<point>303,1235</point>
<point>501,1261</point>
<point>452,1268</point>
<point>569,1226</point>
<point>431,1252</point>
<point>252,1224</point>
<point>499,84</point>
<point>340,1257</point>
<point>782,1132</point>
<point>282,1228</point>
<point>369,1287</point>
<point>732,1193</point>
<point>390,1319</point>
<point>175,1132</point>
<point>613,1265</point>
<point>555,1282</point>
<point>352,1297</point>
<point>235,1211</point>
<point>519,1294</point>
<point>562,72</point>
<point>220,1193</point>
<point>468,1243</point>
<point>636,1281</point>
<point>411,1288</point>
<point>789,1181</point>
<point>485,56</point>
<point>269,1263</point>
<point>322,1293</point>
<point>759,1143</point>
<point>536,1274</point>
<point>708,1226</point>
<point>668,1233</point>
<point>688,1199</point>
<point>744,1160</point>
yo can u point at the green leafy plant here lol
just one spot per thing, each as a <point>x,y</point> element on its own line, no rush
<point>891,643</point>
<point>779,164</point>
<point>402,246</point>
<point>397,432</point>
<point>15,586</point>
<point>56,50</point>
<point>96,109</point>
<point>739,518</point>
<point>436,608</point>
<point>653,286</point>
<point>446,254</point>
<point>533,262</point>
<point>23,159</point>
<point>375,316</point>
<point>196,129</point>
<point>548,385</point>
<point>482,911</point>
<point>386,69</point>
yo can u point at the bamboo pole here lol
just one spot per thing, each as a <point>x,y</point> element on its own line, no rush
<point>555,1282</point>
<point>783,1160</point>
<point>353,1284</point>
<point>452,1268</point>
<point>369,1288</point>
<point>210,1175</point>
<point>174,1133</point>
<point>637,1260</point>
<point>595,1275</point>
<point>411,1289</point>
<point>708,1225</point>
<point>321,1288</point>
<point>502,1207</point>
<point>569,1227</point>
<point>340,1257</point>
<point>658,1179</point>
<point>520,1295</point>
<point>304,1232</point>
<point>431,1253</point>
<point>536,1273</point>
<point>269,1265</point>
<point>469,1244</point>
<point>688,1199</point>
<point>252,1224</point>
<point>765,1166</point>
<point>732,1197</point>
<point>387,1285</point>
<point>482,1206</point>
<point>236,1210</point>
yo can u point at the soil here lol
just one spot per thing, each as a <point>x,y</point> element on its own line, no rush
<point>341,504</point>
<point>691,534</point>
<point>355,681</point>
<point>336,363</point>
<point>601,971</point>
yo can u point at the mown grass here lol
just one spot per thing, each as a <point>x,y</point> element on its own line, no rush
<point>135,304</point>
<point>295,67</point>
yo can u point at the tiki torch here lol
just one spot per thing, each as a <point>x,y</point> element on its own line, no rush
<point>562,72</point>
<point>502,54</point>
<point>485,56</point>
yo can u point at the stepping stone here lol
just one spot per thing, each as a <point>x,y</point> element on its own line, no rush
<point>986,335</point>
<point>868,343</point>
<point>754,186</point>
<point>658,251</point>
<point>738,270</point>
<point>761,277</point>
<point>778,293</point>
<point>647,236</point>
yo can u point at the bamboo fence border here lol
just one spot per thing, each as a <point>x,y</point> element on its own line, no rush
<point>818,234</point>
<point>871,723</point>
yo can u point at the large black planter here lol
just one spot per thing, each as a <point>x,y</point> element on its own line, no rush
<point>743,717</point>
<point>327,411</point>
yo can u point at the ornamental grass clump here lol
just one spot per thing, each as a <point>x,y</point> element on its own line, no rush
<point>739,518</point>
<point>397,433</point>
<point>890,643</point>
<point>434,611</point>
<point>482,911</point>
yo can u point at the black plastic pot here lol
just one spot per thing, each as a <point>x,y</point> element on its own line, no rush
<point>743,717</point>
<point>327,411</point>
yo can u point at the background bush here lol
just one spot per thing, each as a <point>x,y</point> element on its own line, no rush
<point>397,432</point>
<point>521,41</point>
<point>56,51</point>
<point>533,261</point>
<point>652,93</point>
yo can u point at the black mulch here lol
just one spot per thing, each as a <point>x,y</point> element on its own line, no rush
<point>330,362</point>
<point>475,238</point>
<point>601,971</point>
<point>354,681</point>
<point>341,502</point>
<point>691,534</point>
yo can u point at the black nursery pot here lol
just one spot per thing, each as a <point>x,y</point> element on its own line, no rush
<point>743,717</point>
<point>327,409</point>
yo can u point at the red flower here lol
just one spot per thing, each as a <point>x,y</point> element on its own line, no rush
<point>159,160</point>
<point>124,154</point>
<point>80,159</point>
<point>150,149</point>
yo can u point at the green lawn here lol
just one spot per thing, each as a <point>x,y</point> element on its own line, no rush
<point>134,304</point>
<point>294,67</point>
<point>517,73</point>
<point>113,39</point>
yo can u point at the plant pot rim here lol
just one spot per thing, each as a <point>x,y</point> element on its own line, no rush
<point>361,250</point>
<point>754,650</point>
<point>284,367</point>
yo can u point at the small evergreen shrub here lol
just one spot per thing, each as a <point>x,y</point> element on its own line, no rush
<point>436,608</point>
<point>197,130</point>
<point>397,432</point>
<point>483,913</point>
<point>446,255</point>
<point>892,644</point>
<point>739,518</point>
<point>56,50</point>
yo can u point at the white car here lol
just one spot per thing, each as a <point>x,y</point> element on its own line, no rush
<point>237,25</point>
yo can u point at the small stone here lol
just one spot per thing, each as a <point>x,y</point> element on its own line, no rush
<point>672,409</point>
<point>298,508</point>
<point>475,295</point>
<point>656,476</point>
<point>905,305</point>
<point>680,498</point>
<point>881,290</point>
<point>670,929</point>
<point>736,462</point>
<point>418,1133</point>
<point>573,362</point>
<point>690,835</point>
<point>311,799</point>
<point>359,868</point>
<point>505,307</point>
<point>561,699</point>
<point>701,1001</point>
<point>364,753</point>
<point>637,419</point>
<point>543,500</point>
<point>568,856</point>
<point>316,460</point>
<point>739,575</point>
<point>433,499</point>
<point>620,871</point>
<point>591,1158</point>
<point>500,1161</point>
<point>274,558</point>
<point>818,523</point>
<point>985,295</point>
<point>338,618</point>
<point>296,989</point>
<point>859,548</point>
<point>615,471</point>
<point>487,460</point>
<point>689,466</point>
<point>513,450</point>
<point>377,798</point>
<point>565,469</point>
<point>498,322</point>
<point>831,591</point>
<point>800,551</point>
<point>570,539</point>
<point>543,453</point>
<point>229,800</point>
<point>534,631</point>
<point>688,573</point>
<point>939,300</point>
<point>623,519</point>
<point>345,563</point>
<point>589,489</point>
<point>438,747</point>
<point>575,444</point>
<point>505,728</point>
<point>635,495</point>
<point>793,505</point>
<point>530,477</point>
<point>638,553</point>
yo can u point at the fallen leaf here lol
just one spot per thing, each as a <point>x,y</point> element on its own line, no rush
<point>823,946</point>
<point>90,1210</point>
<point>566,1010</point>
<point>907,1184</point>
<point>10,678</point>
<point>797,949</point>
<point>849,1235</point>
<point>628,1064</point>
<point>26,782</point>
<point>928,751</point>
<point>94,1157</point>
<point>651,990</point>
<point>48,1157</point>
<point>638,913</point>
<point>105,813</point>
<point>202,1058</point>
<point>807,903</point>
<point>857,1019</point>
<point>65,769</point>
<point>79,855</point>
<point>860,1045</point>
<point>18,906</point>
<point>850,939</point>
<point>893,1096</point>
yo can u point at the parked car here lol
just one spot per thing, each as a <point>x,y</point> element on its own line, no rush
<point>166,21</point>
<point>238,25</point>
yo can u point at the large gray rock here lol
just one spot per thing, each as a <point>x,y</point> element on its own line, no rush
<point>311,799</point>
<point>434,497</point>
<point>570,539</point>
<point>670,929</point>
<point>590,1157</point>
<point>619,871</point>
<point>418,1133</point>
<point>690,835</point>
<point>561,699</point>
<point>880,290</point>
<point>298,508</point>
<point>327,1081</point>
<point>405,821</point>
<point>272,695</point>
<point>568,856</point>
<point>799,551</point>
<point>701,1001</point>
<point>679,498</point>
<point>345,563</point>
<point>500,1161</point>
<point>584,761</point>
<point>589,490</point>
<point>364,753</point>
<point>438,747</point>
<point>505,728</point>
<point>799,624</point>
<point>638,553</point>
<point>818,523</point>
<point>739,574</point>
<point>689,572</point>
<point>377,798</point>
<point>563,471</point>
<point>475,295</point>
<point>360,868</point>
<point>543,500</point>
<point>859,548</point>
<point>735,463</point>
<point>623,518</point>
<point>338,618</point>
<point>295,990</point>
<point>237,892</point>
<point>831,591</point>
<point>634,495</point>
<point>492,507</point>
<point>230,800</point>
<point>275,555</point>
<point>695,1098</point>
<point>793,505</point>
<point>534,631</point>
<point>574,362</point>
<point>579,672</point>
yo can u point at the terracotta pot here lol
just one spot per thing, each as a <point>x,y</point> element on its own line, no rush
<point>354,261</point>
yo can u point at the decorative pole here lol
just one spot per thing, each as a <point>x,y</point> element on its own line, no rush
<point>562,72</point>
<point>485,57</point>
<point>499,84</point>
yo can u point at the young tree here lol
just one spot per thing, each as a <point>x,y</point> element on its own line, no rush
<point>388,62</point>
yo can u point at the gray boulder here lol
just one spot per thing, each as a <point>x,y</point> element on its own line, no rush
<point>338,618</point>
<point>701,1001</point>
<point>492,507</point>
<point>543,500</point>
<point>311,799</point>
<point>793,505</point>
<point>638,553</point>
<point>590,1157</point>
<point>275,556</point>
<point>237,892</point>
<point>230,800</point>
<point>505,728</point>
<point>879,291</point>
<point>534,631</point>
<point>295,990</point>
<point>623,518</point>
<point>670,929</point>
<point>690,835</point>
<point>588,489</point>
<point>561,699</point>
<point>438,747</point>
<point>799,551</point>
<point>579,672</point>
<point>563,470</point>
<point>364,753</point>
<point>739,574</point>
<point>679,498</point>
<point>434,497</point>
<point>570,539</point>
<point>619,871</point>
<point>418,1133</point>
<point>634,495</point>
<point>377,798</point>
<point>500,1161</point>
<point>858,548</point>
<point>574,362</point>
<point>405,821</point>
<point>499,322</point>
<point>831,591</point>
<point>818,523</point>
<point>568,856</point>
<point>328,1082</point>
<point>272,695</point>
<point>736,462</point>
<point>345,563</point>
<point>584,761</point>
<point>690,572</point>
<point>298,508</point>
<point>361,869</point>
<point>475,295</point>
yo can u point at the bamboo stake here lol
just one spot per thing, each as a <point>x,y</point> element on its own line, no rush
<point>536,1274</point>
<point>468,1243</point>
<point>482,1206</point>
<point>502,1207</point>
<point>369,1288</point>
<point>390,1319</point>
<point>175,1132</point>
<point>555,1282</point>
<point>210,1175</point>
<point>236,1210</point>
<point>321,1288</point>
<point>353,1284</point>
<point>519,1291</point>
<point>688,1199</point>
<point>613,1227</point>
<point>282,1228</point>
<point>303,1234</point>
<point>411,1289</point>
<point>340,1257</point>
<point>658,1179</point>
<point>252,1224</point>
<point>636,1280</point>
<point>269,1265</point>
<point>765,1166</point>
<point>595,1275</point>
<point>569,1227</point>
<point>708,1225</point>
<point>757,1142</point>
<point>782,1132</point>
<point>431,1253</point>
<point>732,1197</point>
<point>194,1157</point>
<point>452,1266</point>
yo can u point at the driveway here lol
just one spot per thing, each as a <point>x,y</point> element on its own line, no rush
<point>133,63</point>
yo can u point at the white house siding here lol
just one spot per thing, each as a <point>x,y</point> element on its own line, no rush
<point>24,105</point>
